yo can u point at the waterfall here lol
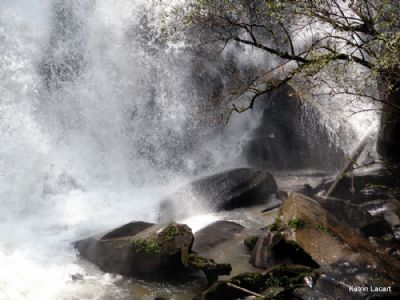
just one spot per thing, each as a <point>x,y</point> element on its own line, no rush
<point>99,118</point>
<point>96,124</point>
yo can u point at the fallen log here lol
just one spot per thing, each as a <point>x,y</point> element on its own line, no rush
<point>348,166</point>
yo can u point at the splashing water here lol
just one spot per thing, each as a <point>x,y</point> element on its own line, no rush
<point>94,110</point>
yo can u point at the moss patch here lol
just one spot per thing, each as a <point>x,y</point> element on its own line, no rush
<point>251,241</point>
<point>324,229</point>
<point>149,245</point>
<point>296,223</point>
<point>169,233</point>
<point>280,278</point>
<point>276,226</point>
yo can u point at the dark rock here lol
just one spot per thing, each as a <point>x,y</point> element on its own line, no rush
<point>389,210</point>
<point>352,272</point>
<point>211,269</point>
<point>272,249</point>
<point>129,229</point>
<point>214,234</point>
<point>281,195</point>
<point>223,191</point>
<point>76,277</point>
<point>361,220</point>
<point>361,188</point>
<point>388,144</point>
<point>262,256</point>
<point>283,276</point>
<point>154,252</point>
<point>290,135</point>
<point>306,190</point>
<point>277,292</point>
<point>307,293</point>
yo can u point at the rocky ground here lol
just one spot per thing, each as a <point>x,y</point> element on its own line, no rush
<point>278,240</point>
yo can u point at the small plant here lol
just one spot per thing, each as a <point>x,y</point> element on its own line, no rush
<point>296,223</point>
<point>169,233</point>
<point>276,226</point>
<point>324,229</point>
<point>147,246</point>
<point>250,242</point>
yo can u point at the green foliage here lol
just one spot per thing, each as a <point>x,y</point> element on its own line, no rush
<point>296,223</point>
<point>324,229</point>
<point>281,276</point>
<point>169,233</point>
<point>148,245</point>
<point>251,241</point>
<point>354,32</point>
<point>276,226</point>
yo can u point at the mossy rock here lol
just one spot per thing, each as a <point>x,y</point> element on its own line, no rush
<point>251,241</point>
<point>156,252</point>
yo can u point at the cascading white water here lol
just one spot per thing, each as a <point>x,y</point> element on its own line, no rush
<point>98,120</point>
<point>96,117</point>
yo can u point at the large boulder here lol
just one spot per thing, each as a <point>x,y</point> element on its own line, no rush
<point>290,134</point>
<point>359,219</point>
<point>144,250</point>
<point>352,278</point>
<point>332,241</point>
<point>388,209</point>
<point>215,234</point>
<point>223,241</point>
<point>223,191</point>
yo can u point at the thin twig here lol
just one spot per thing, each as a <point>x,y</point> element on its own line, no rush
<point>243,290</point>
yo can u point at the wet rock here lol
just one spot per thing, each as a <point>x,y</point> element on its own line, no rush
<point>281,195</point>
<point>129,229</point>
<point>389,210</point>
<point>388,144</point>
<point>313,237</point>
<point>223,191</point>
<point>361,220</point>
<point>281,141</point>
<point>155,252</point>
<point>392,216</point>
<point>361,188</point>
<point>76,277</point>
<point>349,240</point>
<point>211,269</point>
<point>355,277</point>
<point>262,255</point>
<point>215,234</point>
<point>227,249</point>
<point>306,190</point>
<point>307,293</point>
<point>282,276</point>
<point>272,249</point>
<point>277,292</point>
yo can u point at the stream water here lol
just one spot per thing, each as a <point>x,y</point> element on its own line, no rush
<point>98,121</point>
